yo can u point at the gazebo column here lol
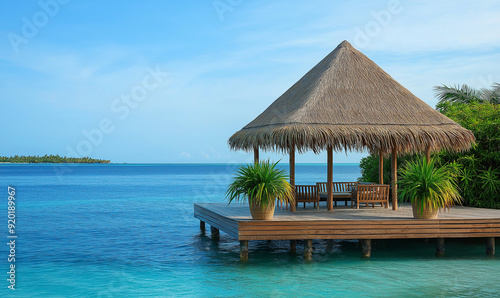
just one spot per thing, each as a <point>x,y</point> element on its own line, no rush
<point>329,179</point>
<point>394,176</point>
<point>292,174</point>
<point>255,154</point>
<point>380,167</point>
<point>428,153</point>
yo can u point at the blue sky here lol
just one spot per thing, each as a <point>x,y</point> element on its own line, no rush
<point>171,81</point>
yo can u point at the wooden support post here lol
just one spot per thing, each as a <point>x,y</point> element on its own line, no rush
<point>255,154</point>
<point>215,233</point>
<point>366,247</point>
<point>440,247</point>
<point>428,153</point>
<point>329,244</point>
<point>202,226</point>
<point>293,246</point>
<point>490,246</point>
<point>394,176</point>
<point>308,249</point>
<point>380,167</point>
<point>292,173</point>
<point>244,250</point>
<point>329,178</point>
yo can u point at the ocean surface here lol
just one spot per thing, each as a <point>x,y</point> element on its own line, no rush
<point>128,231</point>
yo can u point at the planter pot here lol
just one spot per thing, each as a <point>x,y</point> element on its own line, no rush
<point>426,213</point>
<point>263,214</point>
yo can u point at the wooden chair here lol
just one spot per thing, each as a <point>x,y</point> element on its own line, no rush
<point>371,194</point>
<point>307,194</point>
<point>341,191</point>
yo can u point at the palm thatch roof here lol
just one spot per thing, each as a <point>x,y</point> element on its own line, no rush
<point>348,102</point>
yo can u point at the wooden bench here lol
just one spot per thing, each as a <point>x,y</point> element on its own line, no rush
<point>374,193</point>
<point>307,194</point>
<point>341,191</point>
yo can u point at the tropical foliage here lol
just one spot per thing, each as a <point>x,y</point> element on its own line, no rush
<point>478,170</point>
<point>427,185</point>
<point>479,176</point>
<point>261,184</point>
<point>49,159</point>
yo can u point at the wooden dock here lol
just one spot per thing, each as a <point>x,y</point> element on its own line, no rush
<point>347,223</point>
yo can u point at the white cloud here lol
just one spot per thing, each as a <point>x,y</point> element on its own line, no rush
<point>206,156</point>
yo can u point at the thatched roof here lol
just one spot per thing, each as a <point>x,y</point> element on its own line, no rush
<point>348,102</point>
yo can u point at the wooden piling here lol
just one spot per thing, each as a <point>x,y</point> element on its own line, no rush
<point>366,247</point>
<point>244,250</point>
<point>202,226</point>
<point>440,247</point>
<point>293,246</point>
<point>215,233</point>
<point>308,249</point>
<point>490,246</point>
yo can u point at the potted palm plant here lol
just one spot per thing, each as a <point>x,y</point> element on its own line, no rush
<point>262,184</point>
<point>429,188</point>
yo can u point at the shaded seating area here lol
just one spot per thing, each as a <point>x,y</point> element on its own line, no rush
<point>348,103</point>
<point>355,192</point>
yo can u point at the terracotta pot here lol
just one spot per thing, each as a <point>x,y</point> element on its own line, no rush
<point>263,214</point>
<point>426,213</point>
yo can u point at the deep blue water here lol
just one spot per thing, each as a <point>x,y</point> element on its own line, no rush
<point>128,231</point>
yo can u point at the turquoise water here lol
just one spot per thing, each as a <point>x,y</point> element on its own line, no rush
<point>128,231</point>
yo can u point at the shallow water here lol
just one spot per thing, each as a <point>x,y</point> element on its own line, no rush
<point>128,230</point>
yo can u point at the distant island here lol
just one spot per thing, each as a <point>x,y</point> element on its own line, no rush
<point>49,159</point>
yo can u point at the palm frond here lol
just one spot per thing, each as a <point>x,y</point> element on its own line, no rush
<point>457,94</point>
<point>492,95</point>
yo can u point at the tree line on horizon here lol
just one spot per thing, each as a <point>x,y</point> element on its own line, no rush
<point>49,159</point>
<point>477,170</point>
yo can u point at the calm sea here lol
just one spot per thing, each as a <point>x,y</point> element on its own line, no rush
<point>129,231</point>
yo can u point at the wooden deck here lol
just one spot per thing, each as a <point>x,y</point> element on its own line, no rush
<point>349,223</point>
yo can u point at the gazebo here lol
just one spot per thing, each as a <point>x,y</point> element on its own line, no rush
<point>347,102</point>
